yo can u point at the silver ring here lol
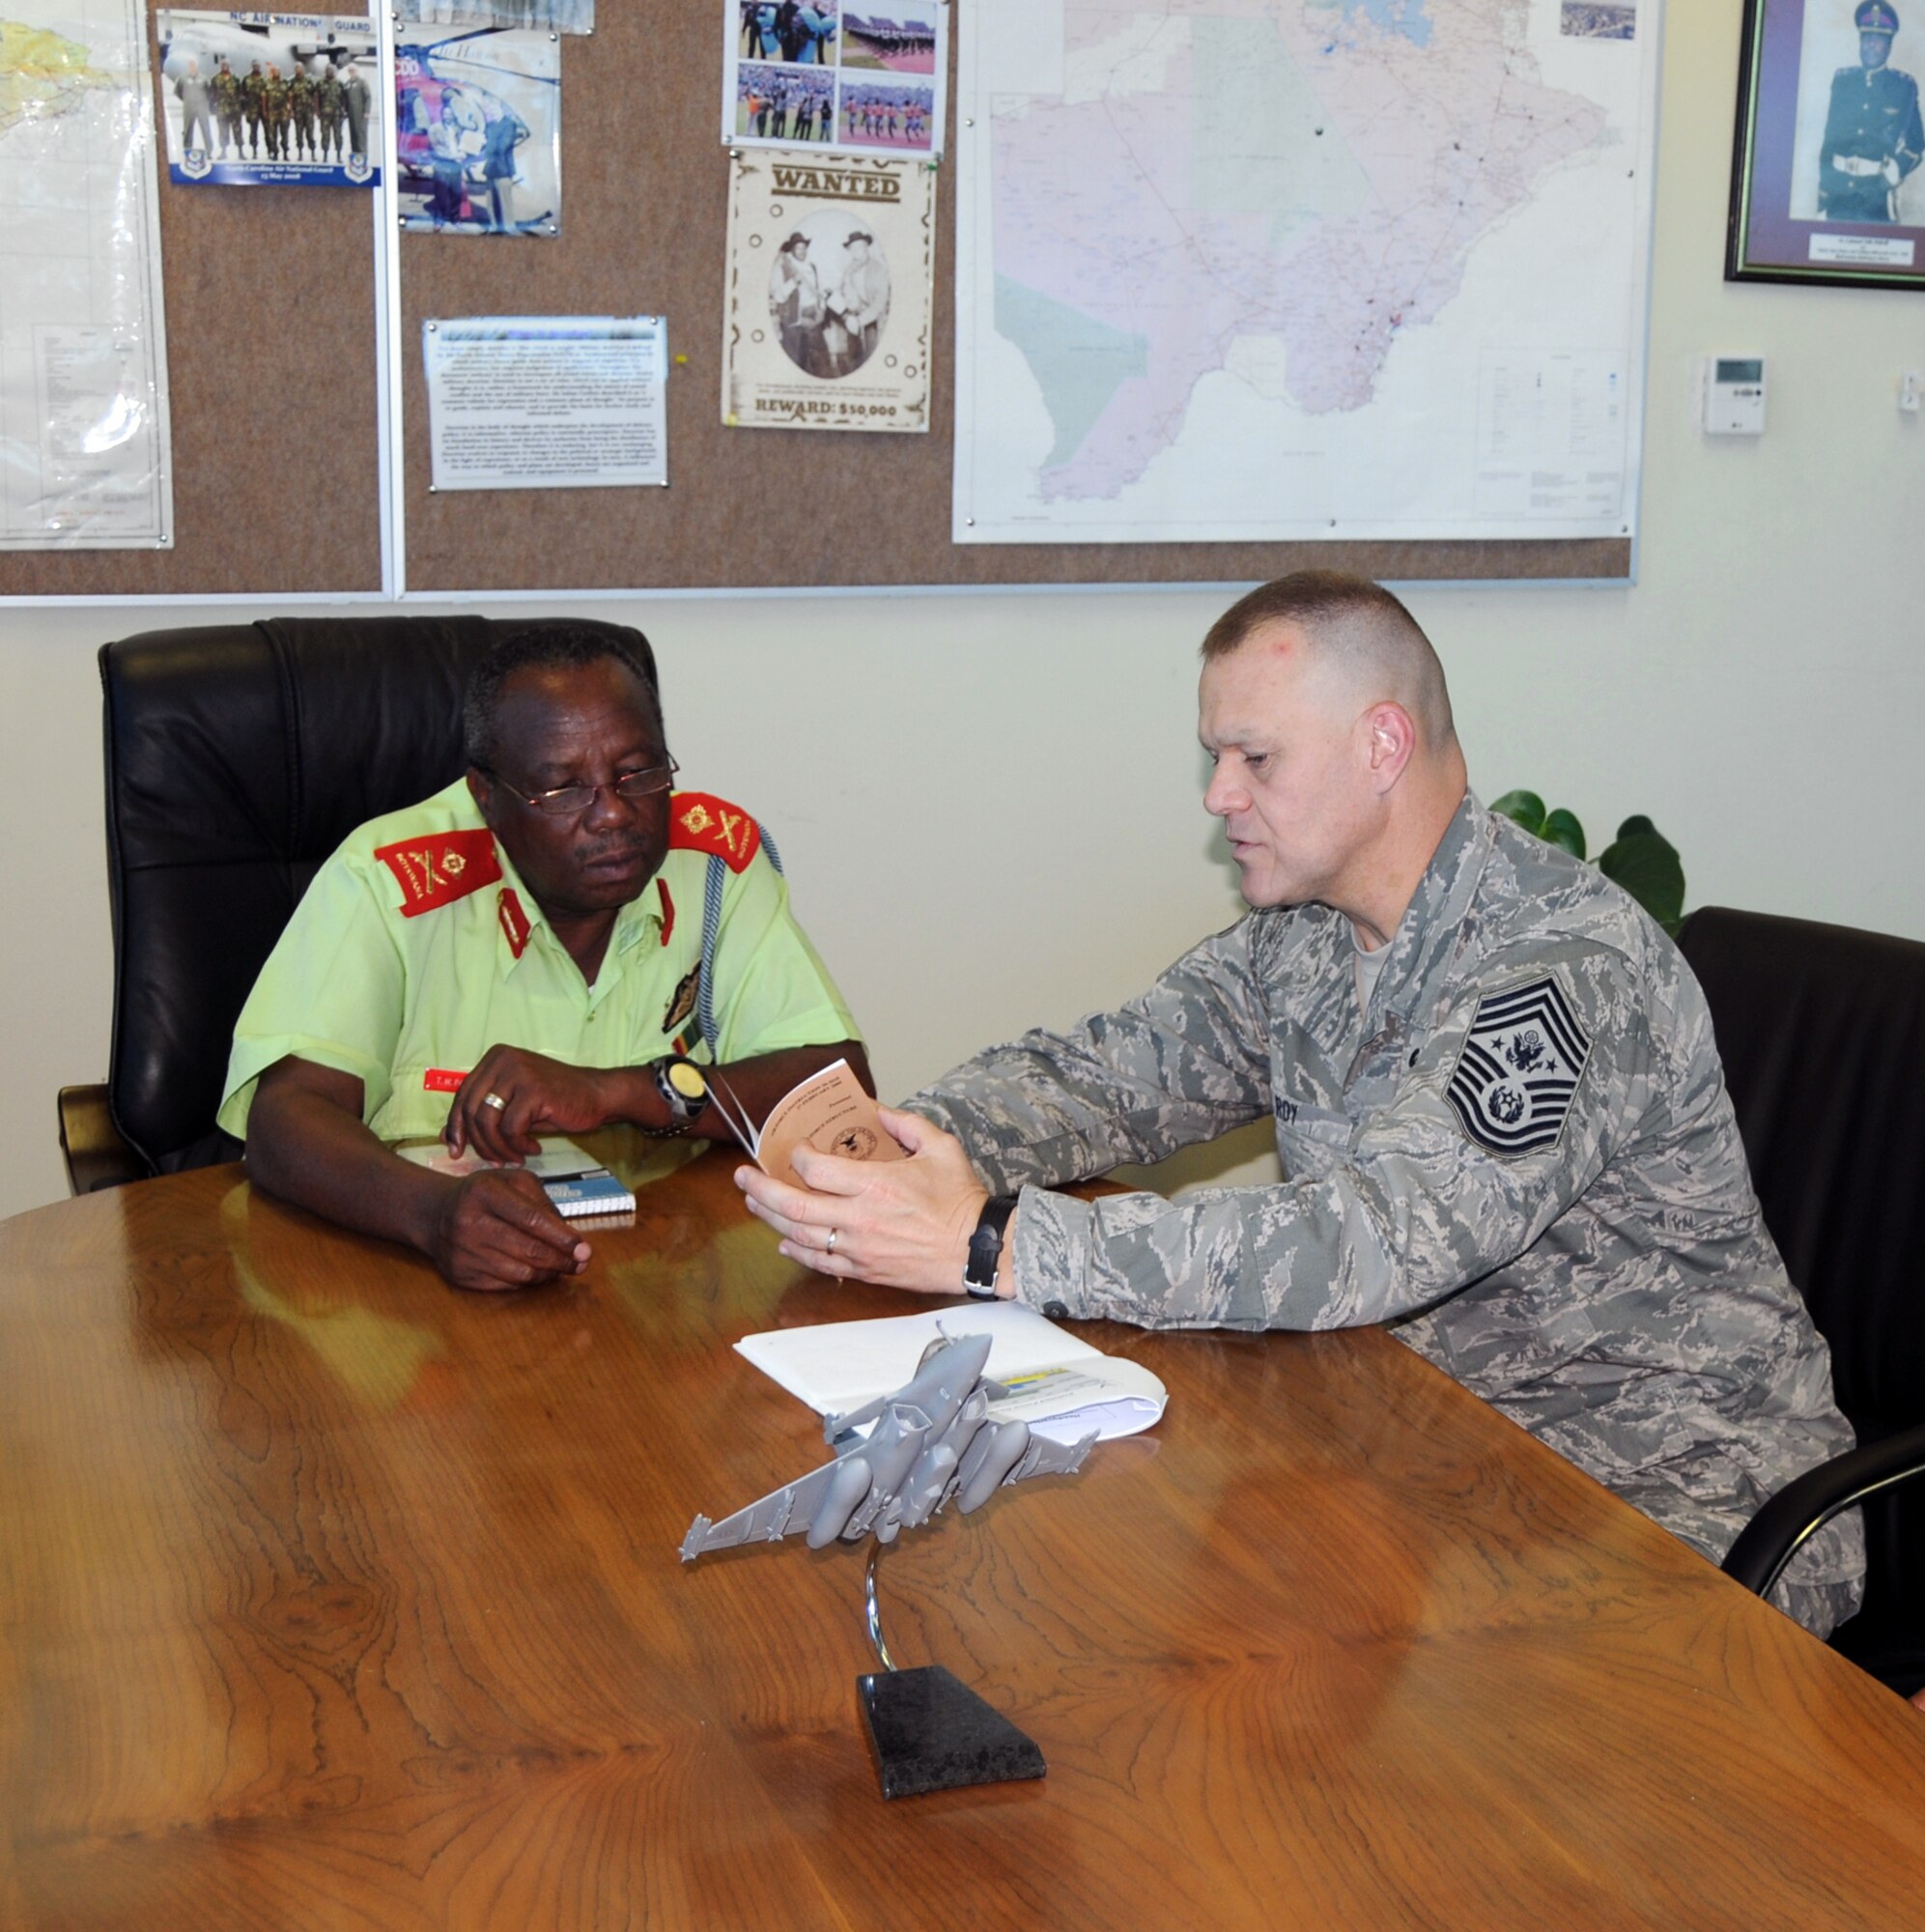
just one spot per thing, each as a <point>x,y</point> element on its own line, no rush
<point>495,1102</point>
<point>829,1246</point>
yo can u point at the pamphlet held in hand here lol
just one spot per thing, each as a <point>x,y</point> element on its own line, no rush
<point>829,1112</point>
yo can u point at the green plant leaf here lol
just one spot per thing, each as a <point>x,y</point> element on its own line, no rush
<point>1638,822</point>
<point>1522,807</point>
<point>1646,865</point>
<point>1562,829</point>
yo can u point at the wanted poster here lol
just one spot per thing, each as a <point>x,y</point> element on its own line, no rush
<point>830,267</point>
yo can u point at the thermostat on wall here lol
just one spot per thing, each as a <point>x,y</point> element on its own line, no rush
<point>1735,395</point>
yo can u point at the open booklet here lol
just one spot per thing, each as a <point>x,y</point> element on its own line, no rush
<point>1057,1384</point>
<point>559,1159</point>
<point>577,1184</point>
<point>828,1110</point>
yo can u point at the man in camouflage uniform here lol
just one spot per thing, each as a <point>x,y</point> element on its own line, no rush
<point>274,114</point>
<point>1500,1111</point>
<point>300,113</point>
<point>254,105</point>
<point>226,90</point>
<point>330,108</point>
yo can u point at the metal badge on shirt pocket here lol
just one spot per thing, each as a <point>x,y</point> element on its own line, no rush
<point>1518,1068</point>
<point>682,1002</point>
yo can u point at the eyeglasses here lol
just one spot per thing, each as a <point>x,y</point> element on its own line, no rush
<point>571,801</point>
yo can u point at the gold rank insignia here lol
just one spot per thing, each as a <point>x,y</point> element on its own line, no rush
<point>442,867</point>
<point>701,822</point>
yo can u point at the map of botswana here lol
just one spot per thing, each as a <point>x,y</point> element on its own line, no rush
<point>1220,252</point>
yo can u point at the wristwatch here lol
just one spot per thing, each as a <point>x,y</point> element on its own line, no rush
<point>986,1246</point>
<point>683,1091</point>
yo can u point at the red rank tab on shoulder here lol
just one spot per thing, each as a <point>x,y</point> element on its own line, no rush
<point>440,867</point>
<point>514,920</point>
<point>701,822</point>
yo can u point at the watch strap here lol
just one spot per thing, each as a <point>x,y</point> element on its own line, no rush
<point>986,1246</point>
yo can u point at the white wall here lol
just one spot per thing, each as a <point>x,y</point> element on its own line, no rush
<point>989,805</point>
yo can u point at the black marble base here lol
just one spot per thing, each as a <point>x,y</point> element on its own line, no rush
<point>932,1732</point>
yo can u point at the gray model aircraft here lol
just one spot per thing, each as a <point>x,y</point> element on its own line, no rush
<point>932,1440</point>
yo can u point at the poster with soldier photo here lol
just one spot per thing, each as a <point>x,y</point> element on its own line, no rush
<point>834,73</point>
<point>269,100</point>
<point>477,130</point>
<point>830,272</point>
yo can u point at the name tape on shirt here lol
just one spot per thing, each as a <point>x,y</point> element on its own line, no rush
<point>438,870</point>
<point>1519,1067</point>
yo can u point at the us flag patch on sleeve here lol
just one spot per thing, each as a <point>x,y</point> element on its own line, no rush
<point>1518,1068</point>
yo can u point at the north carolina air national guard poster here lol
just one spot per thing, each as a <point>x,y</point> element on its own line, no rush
<point>269,100</point>
<point>829,277</point>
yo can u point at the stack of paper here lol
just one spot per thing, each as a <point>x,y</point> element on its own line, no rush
<point>1060,1385</point>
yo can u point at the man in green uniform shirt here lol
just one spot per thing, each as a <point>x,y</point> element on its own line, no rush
<point>524,953</point>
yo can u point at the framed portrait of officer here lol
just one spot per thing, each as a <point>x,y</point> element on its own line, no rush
<point>1827,184</point>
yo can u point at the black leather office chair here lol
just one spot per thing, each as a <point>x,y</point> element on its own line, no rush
<point>238,758</point>
<point>1822,1031</point>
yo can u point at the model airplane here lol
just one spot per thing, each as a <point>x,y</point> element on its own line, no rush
<point>932,1440</point>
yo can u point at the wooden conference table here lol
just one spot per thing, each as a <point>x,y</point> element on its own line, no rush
<point>331,1598</point>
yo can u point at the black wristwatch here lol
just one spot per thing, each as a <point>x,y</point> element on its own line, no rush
<point>683,1091</point>
<point>986,1246</point>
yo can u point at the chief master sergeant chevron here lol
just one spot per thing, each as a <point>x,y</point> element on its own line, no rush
<point>550,944</point>
<point>1501,1115</point>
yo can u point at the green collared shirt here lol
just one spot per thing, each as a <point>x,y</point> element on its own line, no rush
<point>406,996</point>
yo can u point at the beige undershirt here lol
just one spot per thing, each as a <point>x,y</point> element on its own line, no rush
<point>1368,968</point>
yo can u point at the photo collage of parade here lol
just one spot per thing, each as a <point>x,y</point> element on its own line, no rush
<point>823,73</point>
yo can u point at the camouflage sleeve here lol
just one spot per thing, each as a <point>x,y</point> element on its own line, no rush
<point>1417,1203</point>
<point>1187,1061</point>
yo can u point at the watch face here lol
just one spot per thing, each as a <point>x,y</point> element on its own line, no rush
<point>687,1080</point>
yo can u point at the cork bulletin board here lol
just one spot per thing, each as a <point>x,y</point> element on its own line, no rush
<point>272,356</point>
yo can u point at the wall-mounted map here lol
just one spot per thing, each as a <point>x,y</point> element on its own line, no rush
<point>83,363</point>
<point>1293,269</point>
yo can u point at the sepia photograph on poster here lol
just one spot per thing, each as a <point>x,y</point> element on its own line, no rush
<point>831,266</point>
<point>269,100</point>
<point>477,121</point>
<point>837,73</point>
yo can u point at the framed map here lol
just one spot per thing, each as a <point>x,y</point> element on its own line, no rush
<point>84,438</point>
<point>1290,270</point>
